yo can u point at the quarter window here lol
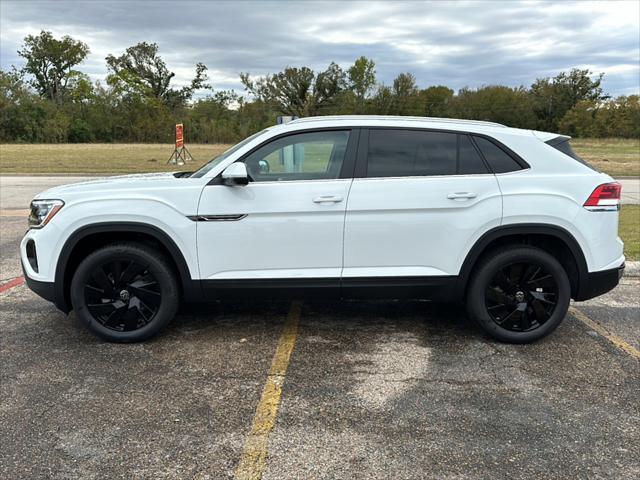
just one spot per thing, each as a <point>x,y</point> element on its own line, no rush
<point>302,156</point>
<point>499,160</point>
<point>403,153</point>
<point>469,161</point>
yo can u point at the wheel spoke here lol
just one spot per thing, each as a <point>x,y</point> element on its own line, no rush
<point>102,281</point>
<point>123,295</point>
<point>545,281</point>
<point>102,309</point>
<point>548,298</point>
<point>521,296</point>
<point>511,318</point>
<point>146,295</point>
<point>525,322</point>
<point>116,316</point>
<point>504,282</point>
<point>497,295</point>
<point>132,271</point>
<point>540,313</point>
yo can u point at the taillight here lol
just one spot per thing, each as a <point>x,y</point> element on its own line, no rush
<point>604,197</point>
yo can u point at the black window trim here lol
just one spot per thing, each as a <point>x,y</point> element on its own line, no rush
<point>348,165</point>
<point>514,156</point>
<point>363,148</point>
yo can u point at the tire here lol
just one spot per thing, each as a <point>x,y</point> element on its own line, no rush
<point>519,294</point>
<point>125,292</point>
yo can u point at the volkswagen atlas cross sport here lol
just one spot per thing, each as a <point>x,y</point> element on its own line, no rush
<point>512,222</point>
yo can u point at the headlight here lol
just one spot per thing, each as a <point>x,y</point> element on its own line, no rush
<point>42,211</point>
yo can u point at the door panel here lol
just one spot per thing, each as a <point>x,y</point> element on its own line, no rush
<point>409,226</point>
<point>428,199</point>
<point>285,233</point>
<point>287,223</point>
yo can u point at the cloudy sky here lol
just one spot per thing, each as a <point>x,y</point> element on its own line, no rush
<point>466,43</point>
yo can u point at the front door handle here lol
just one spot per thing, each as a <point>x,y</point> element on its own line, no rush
<point>328,199</point>
<point>461,195</point>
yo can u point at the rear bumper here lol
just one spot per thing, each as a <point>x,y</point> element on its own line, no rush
<point>598,283</point>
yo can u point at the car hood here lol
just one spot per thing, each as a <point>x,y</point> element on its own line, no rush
<point>135,181</point>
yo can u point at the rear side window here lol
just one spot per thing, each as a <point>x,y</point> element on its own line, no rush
<point>562,144</point>
<point>499,160</point>
<point>405,153</point>
<point>469,161</point>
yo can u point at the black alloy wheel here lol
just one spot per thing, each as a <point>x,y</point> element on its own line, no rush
<point>125,292</point>
<point>123,295</point>
<point>521,296</point>
<point>518,294</point>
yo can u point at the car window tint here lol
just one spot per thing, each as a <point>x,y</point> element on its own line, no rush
<point>469,161</point>
<point>499,160</point>
<point>303,156</point>
<point>402,153</point>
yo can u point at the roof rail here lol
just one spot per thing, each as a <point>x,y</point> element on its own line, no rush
<point>395,117</point>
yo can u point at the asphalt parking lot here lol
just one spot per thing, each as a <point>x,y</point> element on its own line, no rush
<point>351,390</point>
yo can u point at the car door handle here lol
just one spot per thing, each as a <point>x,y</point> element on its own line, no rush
<point>461,195</point>
<point>328,199</point>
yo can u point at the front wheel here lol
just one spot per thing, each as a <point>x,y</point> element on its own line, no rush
<point>519,295</point>
<point>125,292</point>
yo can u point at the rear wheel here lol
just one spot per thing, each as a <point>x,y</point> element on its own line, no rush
<point>125,292</point>
<point>519,295</point>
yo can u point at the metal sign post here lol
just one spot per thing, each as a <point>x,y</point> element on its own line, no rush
<point>180,154</point>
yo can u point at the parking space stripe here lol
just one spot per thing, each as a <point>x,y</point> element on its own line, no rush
<point>614,339</point>
<point>254,455</point>
<point>14,282</point>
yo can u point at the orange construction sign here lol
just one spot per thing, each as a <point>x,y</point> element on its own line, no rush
<point>179,135</point>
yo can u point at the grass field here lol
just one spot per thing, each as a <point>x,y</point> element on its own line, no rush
<point>98,158</point>
<point>630,230</point>
<point>617,157</point>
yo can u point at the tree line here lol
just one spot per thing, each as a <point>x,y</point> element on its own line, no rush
<point>50,100</point>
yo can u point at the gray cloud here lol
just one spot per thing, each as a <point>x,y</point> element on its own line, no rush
<point>458,44</point>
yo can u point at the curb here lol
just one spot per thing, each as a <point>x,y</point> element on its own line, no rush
<point>632,269</point>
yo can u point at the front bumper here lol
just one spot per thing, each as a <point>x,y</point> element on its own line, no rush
<point>46,290</point>
<point>598,283</point>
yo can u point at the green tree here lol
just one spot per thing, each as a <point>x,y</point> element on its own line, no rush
<point>298,91</point>
<point>405,93</point>
<point>554,97</point>
<point>50,62</point>
<point>495,103</point>
<point>435,101</point>
<point>141,71</point>
<point>362,80</point>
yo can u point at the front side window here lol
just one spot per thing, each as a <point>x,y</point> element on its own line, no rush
<point>217,160</point>
<point>301,156</point>
<point>408,153</point>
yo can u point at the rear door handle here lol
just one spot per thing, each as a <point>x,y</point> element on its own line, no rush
<point>328,199</point>
<point>461,195</point>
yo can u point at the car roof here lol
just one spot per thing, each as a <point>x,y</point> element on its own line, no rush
<point>332,121</point>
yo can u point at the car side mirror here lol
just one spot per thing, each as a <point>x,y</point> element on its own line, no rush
<point>235,175</point>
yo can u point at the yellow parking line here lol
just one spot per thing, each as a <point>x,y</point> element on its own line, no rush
<point>617,341</point>
<point>254,455</point>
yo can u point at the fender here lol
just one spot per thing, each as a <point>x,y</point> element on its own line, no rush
<point>522,229</point>
<point>191,289</point>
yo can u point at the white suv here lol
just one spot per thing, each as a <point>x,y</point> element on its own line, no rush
<point>510,221</point>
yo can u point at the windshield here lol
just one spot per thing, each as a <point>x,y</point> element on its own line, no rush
<point>207,167</point>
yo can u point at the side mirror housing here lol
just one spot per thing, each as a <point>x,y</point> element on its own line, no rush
<point>235,175</point>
